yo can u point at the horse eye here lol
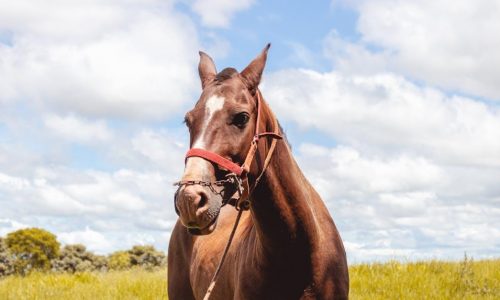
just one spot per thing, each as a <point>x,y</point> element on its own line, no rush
<point>241,119</point>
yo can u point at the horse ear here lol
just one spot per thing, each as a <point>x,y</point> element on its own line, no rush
<point>206,68</point>
<point>253,72</point>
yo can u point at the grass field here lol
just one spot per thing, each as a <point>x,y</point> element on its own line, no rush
<point>427,280</point>
<point>133,284</point>
<point>422,280</point>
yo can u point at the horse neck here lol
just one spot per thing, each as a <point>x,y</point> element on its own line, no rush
<point>282,203</point>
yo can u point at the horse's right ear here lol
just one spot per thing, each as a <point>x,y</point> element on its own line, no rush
<point>206,68</point>
<point>253,72</point>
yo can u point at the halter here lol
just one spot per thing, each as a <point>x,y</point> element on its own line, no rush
<point>237,179</point>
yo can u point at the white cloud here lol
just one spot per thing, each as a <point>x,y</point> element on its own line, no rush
<point>405,207</point>
<point>218,13</point>
<point>343,176</point>
<point>454,46</point>
<point>386,114</point>
<point>352,57</point>
<point>132,61</point>
<point>163,150</point>
<point>406,204</point>
<point>355,176</point>
<point>93,240</point>
<point>12,183</point>
<point>53,200</point>
<point>7,226</point>
<point>37,19</point>
<point>59,191</point>
<point>76,129</point>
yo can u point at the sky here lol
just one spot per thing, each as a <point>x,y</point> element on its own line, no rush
<point>392,109</point>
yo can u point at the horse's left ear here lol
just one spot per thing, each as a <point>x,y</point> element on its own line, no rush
<point>253,72</point>
<point>206,68</point>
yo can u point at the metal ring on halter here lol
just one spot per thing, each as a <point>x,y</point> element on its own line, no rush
<point>243,205</point>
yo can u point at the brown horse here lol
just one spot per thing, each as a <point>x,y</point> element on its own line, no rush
<point>286,245</point>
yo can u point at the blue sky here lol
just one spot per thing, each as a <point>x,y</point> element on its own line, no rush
<point>392,109</point>
<point>286,25</point>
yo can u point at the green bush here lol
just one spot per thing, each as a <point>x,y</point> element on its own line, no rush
<point>76,258</point>
<point>147,257</point>
<point>32,249</point>
<point>119,260</point>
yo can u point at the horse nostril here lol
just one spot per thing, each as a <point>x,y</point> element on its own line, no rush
<point>203,200</point>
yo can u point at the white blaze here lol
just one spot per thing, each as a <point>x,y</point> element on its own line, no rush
<point>213,105</point>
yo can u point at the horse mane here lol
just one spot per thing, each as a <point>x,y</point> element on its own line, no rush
<point>283,135</point>
<point>282,131</point>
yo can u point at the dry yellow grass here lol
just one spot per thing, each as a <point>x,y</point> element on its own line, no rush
<point>394,280</point>
<point>426,280</point>
<point>132,284</point>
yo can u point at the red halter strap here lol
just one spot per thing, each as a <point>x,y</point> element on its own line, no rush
<point>216,159</point>
<point>225,163</point>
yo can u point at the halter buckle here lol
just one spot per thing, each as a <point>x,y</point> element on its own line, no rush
<point>236,181</point>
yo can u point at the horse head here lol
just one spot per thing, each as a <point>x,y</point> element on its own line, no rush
<point>223,123</point>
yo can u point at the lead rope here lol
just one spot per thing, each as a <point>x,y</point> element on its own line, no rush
<point>236,222</point>
<point>214,279</point>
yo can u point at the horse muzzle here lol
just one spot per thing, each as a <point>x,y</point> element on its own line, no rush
<point>197,208</point>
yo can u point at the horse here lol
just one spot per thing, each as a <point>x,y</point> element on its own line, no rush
<point>286,245</point>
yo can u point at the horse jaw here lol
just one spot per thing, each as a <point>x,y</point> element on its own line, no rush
<point>206,230</point>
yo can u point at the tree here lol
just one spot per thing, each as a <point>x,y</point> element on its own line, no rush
<point>6,260</point>
<point>76,258</point>
<point>32,248</point>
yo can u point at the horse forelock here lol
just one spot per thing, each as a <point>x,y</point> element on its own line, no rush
<point>225,74</point>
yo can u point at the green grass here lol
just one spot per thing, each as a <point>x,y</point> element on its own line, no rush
<point>393,280</point>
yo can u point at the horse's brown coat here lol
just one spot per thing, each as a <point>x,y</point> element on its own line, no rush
<point>286,246</point>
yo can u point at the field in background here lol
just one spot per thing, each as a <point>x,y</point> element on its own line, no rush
<point>130,284</point>
<point>422,280</point>
<point>467,279</point>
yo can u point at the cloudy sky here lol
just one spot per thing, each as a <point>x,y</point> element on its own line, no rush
<point>392,108</point>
